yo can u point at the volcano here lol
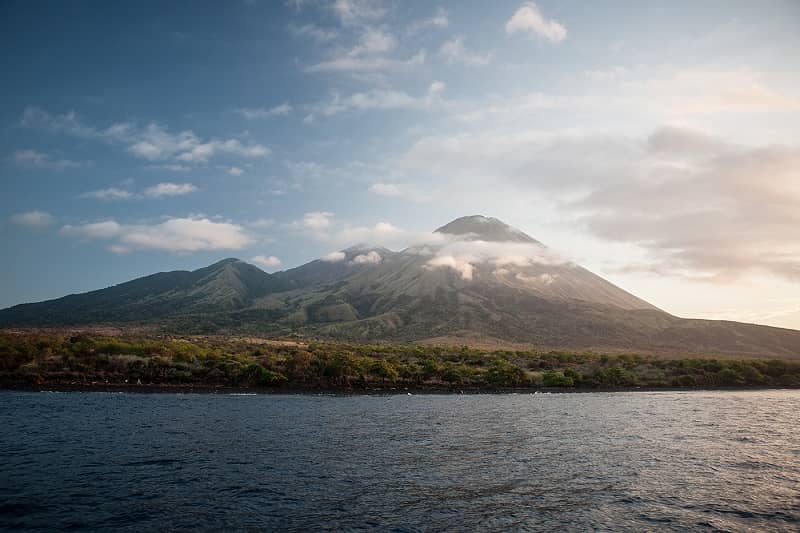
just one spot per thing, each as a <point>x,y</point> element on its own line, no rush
<point>476,280</point>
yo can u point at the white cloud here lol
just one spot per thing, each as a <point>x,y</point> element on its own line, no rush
<point>112,193</point>
<point>665,92</point>
<point>460,265</point>
<point>171,167</point>
<point>334,257</point>
<point>173,235</point>
<point>262,223</point>
<point>169,189</point>
<point>33,117</point>
<point>370,258</point>
<point>380,233</point>
<point>545,160</point>
<point>380,100</point>
<point>454,51</point>
<point>152,142</point>
<point>317,33</point>
<point>360,63</point>
<point>371,52</point>
<point>393,190</point>
<point>383,234</point>
<point>315,221</point>
<point>374,42</point>
<point>235,171</point>
<point>32,158</point>
<point>613,73</point>
<point>437,20</point>
<point>33,219</point>
<point>682,202</point>
<point>528,19</point>
<point>105,229</point>
<point>251,113</point>
<point>385,189</point>
<point>356,12</point>
<point>266,262</point>
<point>462,255</point>
<point>703,208</point>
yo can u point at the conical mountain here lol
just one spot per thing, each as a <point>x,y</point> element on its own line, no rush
<point>476,280</point>
<point>479,227</point>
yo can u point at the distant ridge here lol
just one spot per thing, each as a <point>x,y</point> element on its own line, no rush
<point>486,283</point>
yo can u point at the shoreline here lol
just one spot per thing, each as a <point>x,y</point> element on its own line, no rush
<point>342,391</point>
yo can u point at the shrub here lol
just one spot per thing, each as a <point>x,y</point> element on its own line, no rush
<point>557,379</point>
<point>256,375</point>
<point>502,373</point>
<point>384,370</point>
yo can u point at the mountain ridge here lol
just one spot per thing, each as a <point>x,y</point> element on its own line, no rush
<point>486,281</point>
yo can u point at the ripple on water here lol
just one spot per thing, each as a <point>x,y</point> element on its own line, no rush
<point>624,462</point>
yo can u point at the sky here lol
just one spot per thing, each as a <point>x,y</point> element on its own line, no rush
<point>655,143</point>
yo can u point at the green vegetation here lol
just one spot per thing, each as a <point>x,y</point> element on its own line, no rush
<point>31,359</point>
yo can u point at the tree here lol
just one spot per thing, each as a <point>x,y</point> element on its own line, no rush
<point>502,373</point>
<point>384,370</point>
<point>557,379</point>
<point>256,375</point>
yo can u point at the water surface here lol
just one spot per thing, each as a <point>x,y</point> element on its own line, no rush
<point>703,461</point>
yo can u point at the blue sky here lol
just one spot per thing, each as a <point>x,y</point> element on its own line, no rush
<point>654,143</point>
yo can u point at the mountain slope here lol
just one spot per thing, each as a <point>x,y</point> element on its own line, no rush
<point>477,280</point>
<point>224,286</point>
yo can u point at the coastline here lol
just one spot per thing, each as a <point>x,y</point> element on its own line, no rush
<point>345,391</point>
<point>66,362</point>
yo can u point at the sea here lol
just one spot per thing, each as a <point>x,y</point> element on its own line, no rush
<point>626,461</point>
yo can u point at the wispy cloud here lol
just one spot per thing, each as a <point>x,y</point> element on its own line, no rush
<point>377,99</point>
<point>454,51</point>
<point>34,159</point>
<point>172,235</point>
<point>111,193</point>
<point>314,32</point>
<point>152,142</point>
<point>438,20</point>
<point>261,223</point>
<point>357,12</point>
<point>394,190</point>
<point>371,52</point>
<point>360,63</point>
<point>169,189</point>
<point>160,190</point>
<point>252,113</point>
<point>33,219</point>
<point>172,167</point>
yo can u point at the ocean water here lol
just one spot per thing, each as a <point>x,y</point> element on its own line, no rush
<point>697,461</point>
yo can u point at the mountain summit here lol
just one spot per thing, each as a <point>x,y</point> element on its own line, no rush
<point>486,283</point>
<point>479,227</point>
